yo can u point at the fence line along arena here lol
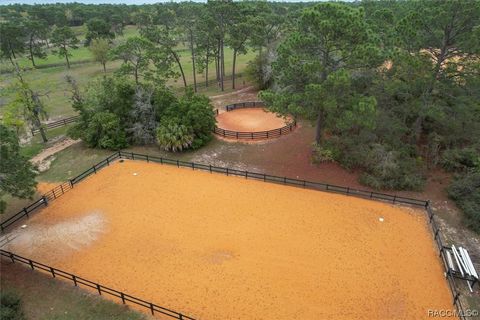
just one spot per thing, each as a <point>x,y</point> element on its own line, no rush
<point>219,247</point>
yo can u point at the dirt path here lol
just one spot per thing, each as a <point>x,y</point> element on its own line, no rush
<point>246,94</point>
<point>41,159</point>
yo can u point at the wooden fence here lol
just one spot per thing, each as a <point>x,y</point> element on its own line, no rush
<point>55,124</point>
<point>60,190</point>
<point>100,289</point>
<point>252,135</point>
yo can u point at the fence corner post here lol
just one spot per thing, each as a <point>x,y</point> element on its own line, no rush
<point>45,201</point>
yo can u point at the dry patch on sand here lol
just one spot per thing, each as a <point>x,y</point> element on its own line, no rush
<point>218,247</point>
<point>66,237</point>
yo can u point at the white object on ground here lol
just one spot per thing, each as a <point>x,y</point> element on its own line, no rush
<point>23,226</point>
<point>380,219</point>
<point>135,174</point>
<point>450,261</point>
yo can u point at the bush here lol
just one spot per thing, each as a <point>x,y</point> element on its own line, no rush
<point>191,118</point>
<point>456,160</point>
<point>173,136</point>
<point>258,71</point>
<point>391,170</point>
<point>322,154</point>
<point>10,306</point>
<point>104,131</point>
<point>465,191</point>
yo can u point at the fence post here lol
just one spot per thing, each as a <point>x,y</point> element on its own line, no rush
<point>122,295</point>
<point>74,278</point>
<point>151,308</point>
<point>98,288</point>
<point>26,212</point>
<point>108,161</point>
<point>348,190</point>
<point>180,316</point>
<point>45,201</point>
<point>12,257</point>
<point>227,171</point>
<point>178,164</point>
<point>61,187</point>
<point>31,264</point>
<point>148,159</point>
<point>246,174</point>
<point>210,166</point>
<point>133,156</point>
<point>394,198</point>
<point>119,154</point>
<point>71,183</point>
<point>193,165</point>
<point>52,271</point>
<point>94,170</point>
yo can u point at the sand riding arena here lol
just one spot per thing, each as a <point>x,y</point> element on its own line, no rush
<point>251,121</point>
<point>216,243</point>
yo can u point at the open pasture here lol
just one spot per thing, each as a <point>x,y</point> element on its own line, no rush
<point>217,247</point>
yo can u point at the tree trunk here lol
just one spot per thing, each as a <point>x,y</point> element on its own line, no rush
<point>38,124</point>
<point>177,59</point>
<point>233,67</point>
<point>318,127</point>
<point>193,62</point>
<point>30,49</point>
<point>206,69</point>
<point>66,57</point>
<point>136,76</point>
<point>44,136</point>
<point>104,68</point>
<point>222,65</point>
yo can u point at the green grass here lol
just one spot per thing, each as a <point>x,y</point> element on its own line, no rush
<point>36,145</point>
<point>51,81</point>
<point>44,298</point>
<point>71,162</point>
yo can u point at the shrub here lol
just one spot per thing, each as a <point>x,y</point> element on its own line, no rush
<point>10,306</point>
<point>173,136</point>
<point>456,160</point>
<point>465,191</point>
<point>191,117</point>
<point>104,131</point>
<point>258,72</point>
<point>322,154</point>
<point>388,169</point>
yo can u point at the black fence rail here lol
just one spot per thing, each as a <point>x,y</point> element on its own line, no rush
<point>394,199</point>
<point>276,179</point>
<point>100,289</point>
<point>252,135</point>
<point>274,133</point>
<point>56,192</point>
<point>437,236</point>
<point>56,124</point>
<point>242,105</point>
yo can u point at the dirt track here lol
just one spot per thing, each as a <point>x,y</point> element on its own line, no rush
<point>249,120</point>
<point>221,247</point>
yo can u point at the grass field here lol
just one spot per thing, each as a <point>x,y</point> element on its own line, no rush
<point>47,299</point>
<point>51,80</point>
<point>215,247</point>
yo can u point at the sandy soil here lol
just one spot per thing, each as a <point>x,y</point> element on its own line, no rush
<point>223,247</point>
<point>249,120</point>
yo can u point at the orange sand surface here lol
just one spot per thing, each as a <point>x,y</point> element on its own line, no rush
<point>218,247</point>
<point>249,120</point>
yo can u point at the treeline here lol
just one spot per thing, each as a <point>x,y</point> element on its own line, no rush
<point>205,30</point>
<point>392,87</point>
